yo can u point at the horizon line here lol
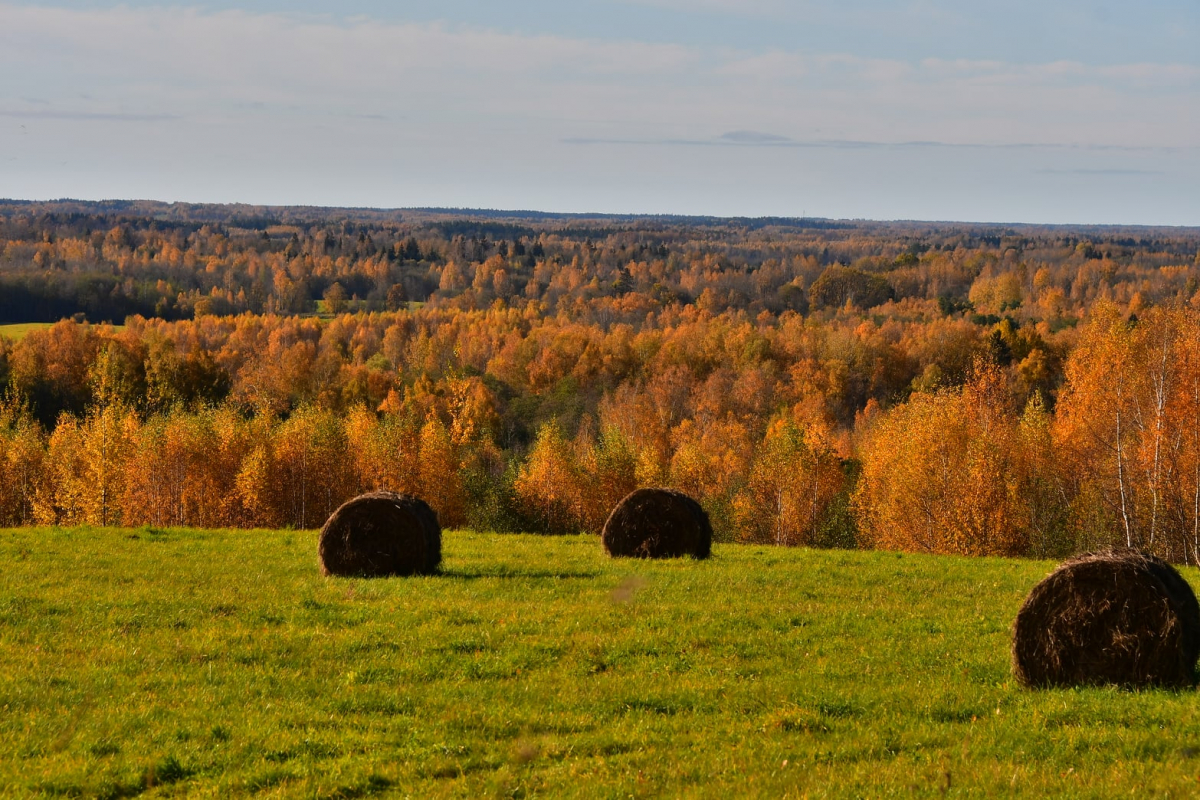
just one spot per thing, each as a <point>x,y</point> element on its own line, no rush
<point>591,215</point>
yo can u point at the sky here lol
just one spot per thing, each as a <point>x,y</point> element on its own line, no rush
<point>1017,111</point>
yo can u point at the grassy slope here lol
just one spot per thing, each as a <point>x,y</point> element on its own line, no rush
<point>19,330</point>
<point>221,663</point>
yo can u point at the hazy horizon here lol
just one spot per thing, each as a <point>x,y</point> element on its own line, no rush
<point>541,213</point>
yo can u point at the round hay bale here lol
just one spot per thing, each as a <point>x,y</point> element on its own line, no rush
<point>658,523</point>
<point>379,534</point>
<point>1114,618</point>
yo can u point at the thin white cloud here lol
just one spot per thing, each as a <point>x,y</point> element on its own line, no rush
<point>771,140</point>
<point>739,7</point>
<point>85,116</point>
<point>251,106</point>
<point>159,63</point>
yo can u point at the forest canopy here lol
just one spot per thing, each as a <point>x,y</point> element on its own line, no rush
<point>937,387</point>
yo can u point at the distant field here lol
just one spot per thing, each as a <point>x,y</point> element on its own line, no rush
<point>20,330</point>
<point>222,663</point>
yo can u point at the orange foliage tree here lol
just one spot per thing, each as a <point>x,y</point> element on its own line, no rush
<point>182,471</point>
<point>949,472</point>
<point>1128,428</point>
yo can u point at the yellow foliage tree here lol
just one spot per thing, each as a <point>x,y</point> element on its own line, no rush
<point>441,483</point>
<point>312,466</point>
<point>22,460</point>
<point>795,477</point>
<point>385,450</point>
<point>86,479</point>
<point>257,492</point>
<point>606,473</point>
<point>549,484</point>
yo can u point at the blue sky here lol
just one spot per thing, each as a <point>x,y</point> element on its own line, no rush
<point>1017,111</point>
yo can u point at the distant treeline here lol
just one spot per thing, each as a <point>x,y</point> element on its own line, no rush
<point>113,259</point>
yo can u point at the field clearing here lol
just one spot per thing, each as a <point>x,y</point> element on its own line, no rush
<point>19,330</point>
<point>219,663</point>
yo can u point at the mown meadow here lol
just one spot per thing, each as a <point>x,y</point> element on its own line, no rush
<point>142,662</point>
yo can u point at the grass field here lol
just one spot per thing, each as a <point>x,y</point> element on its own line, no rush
<point>19,330</point>
<point>209,663</point>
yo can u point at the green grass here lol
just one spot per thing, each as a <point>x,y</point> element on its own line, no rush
<point>222,664</point>
<point>19,330</point>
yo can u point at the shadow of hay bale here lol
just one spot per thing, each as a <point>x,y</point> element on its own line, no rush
<point>1118,618</point>
<point>658,523</point>
<point>381,534</point>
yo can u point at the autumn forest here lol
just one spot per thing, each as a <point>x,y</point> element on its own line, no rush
<point>942,388</point>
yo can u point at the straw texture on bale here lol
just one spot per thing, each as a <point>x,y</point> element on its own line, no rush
<point>658,523</point>
<point>381,534</point>
<point>1118,618</point>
